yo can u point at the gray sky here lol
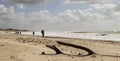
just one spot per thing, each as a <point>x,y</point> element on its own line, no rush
<point>65,15</point>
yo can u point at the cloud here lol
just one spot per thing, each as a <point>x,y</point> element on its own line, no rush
<point>77,19</point>
<point>11,19</point>
<point>34,20</point>
<point>6,15</point>
<point>86,1</point>
<point>67,20</point>
<point>104,6</point>
<point>20,6</point>
<point>87,20</point>
<point>80,19</point>
<point>117,8</point>
<point>30,1</point>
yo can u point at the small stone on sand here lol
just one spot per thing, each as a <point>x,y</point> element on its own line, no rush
<point>43,53</point>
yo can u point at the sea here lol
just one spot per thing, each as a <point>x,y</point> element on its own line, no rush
<point>80,35</point>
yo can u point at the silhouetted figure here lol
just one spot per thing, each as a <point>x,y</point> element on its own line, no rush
<point>20,33</point>
<point>16,32</point>
<point>33,33</point>
<point>42,32</point>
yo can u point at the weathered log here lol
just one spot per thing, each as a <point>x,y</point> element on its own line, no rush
<point>55,49</point>
<point>90,52</point>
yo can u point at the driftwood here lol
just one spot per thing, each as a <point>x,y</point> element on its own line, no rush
<point>90,52</point>
<point>55,49</point>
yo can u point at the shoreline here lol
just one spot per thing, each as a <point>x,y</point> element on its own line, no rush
<point>89,36</point>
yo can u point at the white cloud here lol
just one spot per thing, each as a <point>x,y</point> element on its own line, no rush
<point>10,19</point>
<point>86,1</point>
<point>76,19</point>
<point>41,19</point>
<point>6,15</point>
<point>104,6</point>
<point>79,15</point>
<point>20,6</point>
<point>2,9</point>
<point>30,1</point>
<point>117,8</point>
<point>34,20</point>
<point>81,19</point>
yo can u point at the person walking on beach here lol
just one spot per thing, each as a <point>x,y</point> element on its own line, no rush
<point>33,33</point>
<point>42,32</point>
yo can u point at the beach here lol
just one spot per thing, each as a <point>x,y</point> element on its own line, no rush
<point>16,47</point>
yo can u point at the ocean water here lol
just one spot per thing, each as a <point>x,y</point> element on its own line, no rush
<point>93,36</point>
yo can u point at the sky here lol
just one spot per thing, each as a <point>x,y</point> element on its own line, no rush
<point>61,15</point>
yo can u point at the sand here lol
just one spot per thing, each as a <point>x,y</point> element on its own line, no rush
<point>15,47</point>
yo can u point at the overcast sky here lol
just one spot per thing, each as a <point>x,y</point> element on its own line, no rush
<point>65,15</point>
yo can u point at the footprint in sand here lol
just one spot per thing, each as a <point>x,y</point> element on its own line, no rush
<point>2,45</point>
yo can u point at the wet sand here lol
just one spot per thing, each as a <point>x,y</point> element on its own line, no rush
<point>15,47</point>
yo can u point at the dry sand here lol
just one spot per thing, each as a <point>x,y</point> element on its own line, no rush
<point>15,47</point>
